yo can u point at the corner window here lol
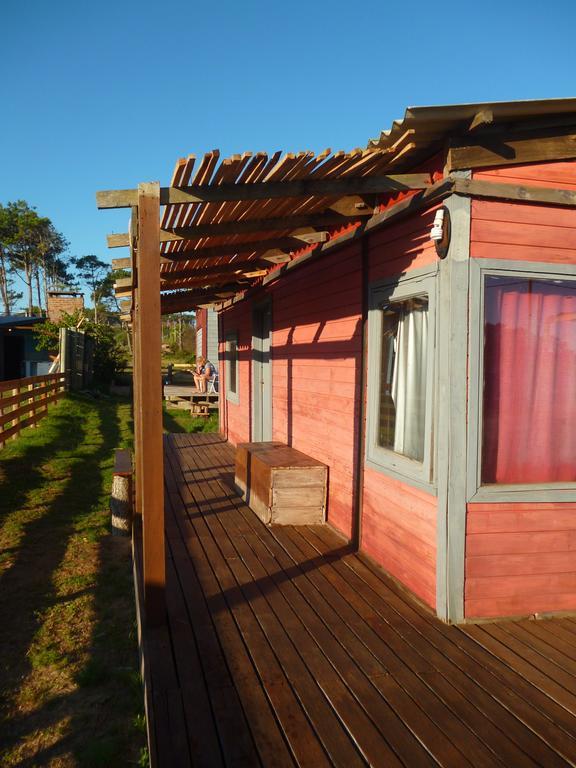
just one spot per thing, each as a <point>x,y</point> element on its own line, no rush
<point>522,382</point>
<point>231,360</point>
<point>529,386</point>
<point>400,371</point>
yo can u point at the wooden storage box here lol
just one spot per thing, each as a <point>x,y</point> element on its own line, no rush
<point>280,484</point>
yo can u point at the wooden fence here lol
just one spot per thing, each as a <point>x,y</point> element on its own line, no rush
<point>24,402</point>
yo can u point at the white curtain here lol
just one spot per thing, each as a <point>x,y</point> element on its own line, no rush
<point>409,382</point>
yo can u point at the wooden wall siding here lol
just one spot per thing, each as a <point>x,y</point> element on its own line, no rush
<point>555,174</point>
<point>236,422</point>
<point>399,521</point>
<point>316,315</point>
<point>522,231</point>
<point>399,532</point>
<point>520,559</point>
<point>211,351</point>
<point>201,317</point>
<point>402,247</point>
<point>316,347</point>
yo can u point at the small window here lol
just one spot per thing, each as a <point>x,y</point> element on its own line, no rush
<point>529,381</point>
<point>400,366</point>
<point>231,359</point>
<point>403,377</point>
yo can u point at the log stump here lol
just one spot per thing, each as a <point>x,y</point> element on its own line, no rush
<point>121,501</point>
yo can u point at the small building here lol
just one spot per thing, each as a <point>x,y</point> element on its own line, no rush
<point>406,315</point>
<point>18,354</point>
<point>64,301</point>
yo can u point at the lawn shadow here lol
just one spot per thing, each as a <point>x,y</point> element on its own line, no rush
<point>171,424</point>
<point>87,435</point>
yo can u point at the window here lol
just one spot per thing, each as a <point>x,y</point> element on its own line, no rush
<point>403,376</point>
<point>400,366</point>
<point>231,359</point>
<point>529,398</point>
<point>523,385</point>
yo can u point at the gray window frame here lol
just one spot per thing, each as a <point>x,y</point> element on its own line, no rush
<point>232,397</point>
<point>476,491</point>
<point>406,286</point>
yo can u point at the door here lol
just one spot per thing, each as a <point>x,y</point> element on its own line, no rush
<point>13,357</point>
<point>261,373</point>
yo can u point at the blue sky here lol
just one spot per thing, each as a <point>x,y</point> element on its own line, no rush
<point>100,95</point>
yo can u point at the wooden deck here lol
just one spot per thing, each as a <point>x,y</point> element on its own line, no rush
<point>285,648</point>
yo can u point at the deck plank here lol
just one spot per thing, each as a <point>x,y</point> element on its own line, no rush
<point>284,647</point>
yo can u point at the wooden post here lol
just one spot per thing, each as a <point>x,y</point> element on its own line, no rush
<point>136,375</point>
<point>150,441</point>
<point>32,401</point>
<point>15,408</point>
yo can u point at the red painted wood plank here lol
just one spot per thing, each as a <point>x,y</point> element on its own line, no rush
<point>556,173</point>
<point>515,565</point>
<point>518,606</point>
<point>523,213</point>
<point>515,586</point>
<point>515,252</point>
<point>536,234</point>
<point>499,518</point>
<point>520,542</point>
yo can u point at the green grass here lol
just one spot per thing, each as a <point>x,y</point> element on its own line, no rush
<point>178,357</point>
<point>179,420</point>
<point>69,682</point>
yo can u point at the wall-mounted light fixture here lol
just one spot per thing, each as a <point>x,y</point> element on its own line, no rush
<point>440,232</point>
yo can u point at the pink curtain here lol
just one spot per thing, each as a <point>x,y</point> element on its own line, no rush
<point>529,431</point>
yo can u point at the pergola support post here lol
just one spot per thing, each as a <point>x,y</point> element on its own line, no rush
<point>136,374</point>
<point>148,402</point>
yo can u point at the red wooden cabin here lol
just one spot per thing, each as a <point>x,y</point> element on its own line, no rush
<point>435,378</point>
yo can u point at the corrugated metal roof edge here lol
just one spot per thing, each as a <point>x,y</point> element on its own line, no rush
<point>456,113</point>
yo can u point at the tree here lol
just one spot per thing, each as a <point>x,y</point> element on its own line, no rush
<point>30,246</point>
<point>96,274</point>
<point>51,245</point>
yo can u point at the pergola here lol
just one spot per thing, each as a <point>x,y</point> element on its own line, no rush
<point>222,230</point>
<point>225,226</point>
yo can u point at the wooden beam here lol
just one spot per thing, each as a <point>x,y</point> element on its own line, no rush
<point>121,263</point>
<point>214,269</point>
<point>123,293</point>
<point>315,220</point>
<point>123,282</point>
<point>281,244</point>
<point>482,118</point>
<point>197,295</point>
<point>150,371</point>
<point>516,192</point>
<point>507,149</point>
<point>363,185</point>
<point>207,282</point>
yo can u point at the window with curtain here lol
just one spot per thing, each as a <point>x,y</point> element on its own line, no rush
<point>403,377</point>
<point>400,407</point>
<point>529,383</point>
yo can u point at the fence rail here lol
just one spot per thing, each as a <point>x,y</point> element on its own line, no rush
<point>24,402</point>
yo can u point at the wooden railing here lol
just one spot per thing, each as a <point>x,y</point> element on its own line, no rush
<point>24,402</point>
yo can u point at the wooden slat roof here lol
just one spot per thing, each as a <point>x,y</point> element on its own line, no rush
<point>228,221</point>
<point>238,241</point>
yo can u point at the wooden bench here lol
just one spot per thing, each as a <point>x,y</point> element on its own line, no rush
<point>121,498</point>
<point>280,484</point>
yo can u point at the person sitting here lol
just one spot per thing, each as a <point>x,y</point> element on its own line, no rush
<point>202,373</point>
